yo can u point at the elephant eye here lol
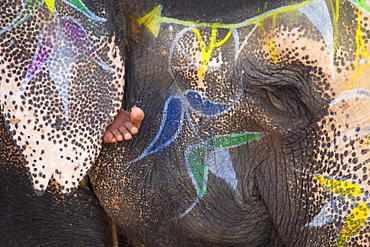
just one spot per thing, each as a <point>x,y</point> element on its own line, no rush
<point>285,100</point>
<point>279,109</point>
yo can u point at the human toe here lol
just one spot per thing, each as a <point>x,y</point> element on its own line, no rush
<point>125,133</point>
<point>109,137</point>
<point>136,116</point>
<point>118,135</point>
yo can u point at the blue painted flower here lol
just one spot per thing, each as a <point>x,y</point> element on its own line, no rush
<point>62,39</point>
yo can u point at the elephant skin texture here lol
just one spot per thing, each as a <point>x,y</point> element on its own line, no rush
<point>256,126</point>
<point>54,219</point>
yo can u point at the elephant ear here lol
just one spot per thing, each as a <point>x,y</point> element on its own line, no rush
<point>59,90</point>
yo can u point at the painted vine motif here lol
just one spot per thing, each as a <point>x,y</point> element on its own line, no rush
<point>61,31</point>
<point>200,157</point>
<point>48,99</point>
<point>345,194</point>
<point>349,197</point>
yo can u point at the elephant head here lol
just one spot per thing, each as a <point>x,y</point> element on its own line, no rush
<point>256,128</point>
<point>256,125</point>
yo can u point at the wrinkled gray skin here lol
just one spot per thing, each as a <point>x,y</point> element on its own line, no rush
<point>296,81</point>
<point>258,141</point>
<point>54,219</point>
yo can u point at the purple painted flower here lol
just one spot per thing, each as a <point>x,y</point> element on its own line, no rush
<point>45,47</point>
<point>30,6</point>
<point>76,34</point>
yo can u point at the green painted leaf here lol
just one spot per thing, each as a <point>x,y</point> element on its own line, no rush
<point>80,6</point>
<point>339,187</point>
<point>233,140</point>
<point>198,172</point>
<point>361,4</point>
<point>353,223</point>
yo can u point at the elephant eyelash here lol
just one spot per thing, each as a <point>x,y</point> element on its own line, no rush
<point>286,99</point>
<point>280,89</point>
<point>274,77</point>
<point>275,101</point>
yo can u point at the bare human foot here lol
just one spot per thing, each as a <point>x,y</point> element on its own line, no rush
<point>124,125</point>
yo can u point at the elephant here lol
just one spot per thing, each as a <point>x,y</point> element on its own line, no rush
<point>42,45</point>
<point>252,133</point>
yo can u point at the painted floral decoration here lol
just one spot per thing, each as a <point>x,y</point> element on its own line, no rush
<point>63,38</point>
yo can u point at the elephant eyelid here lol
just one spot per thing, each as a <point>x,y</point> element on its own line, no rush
<point>286,99</point>
<point>291,76</point>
